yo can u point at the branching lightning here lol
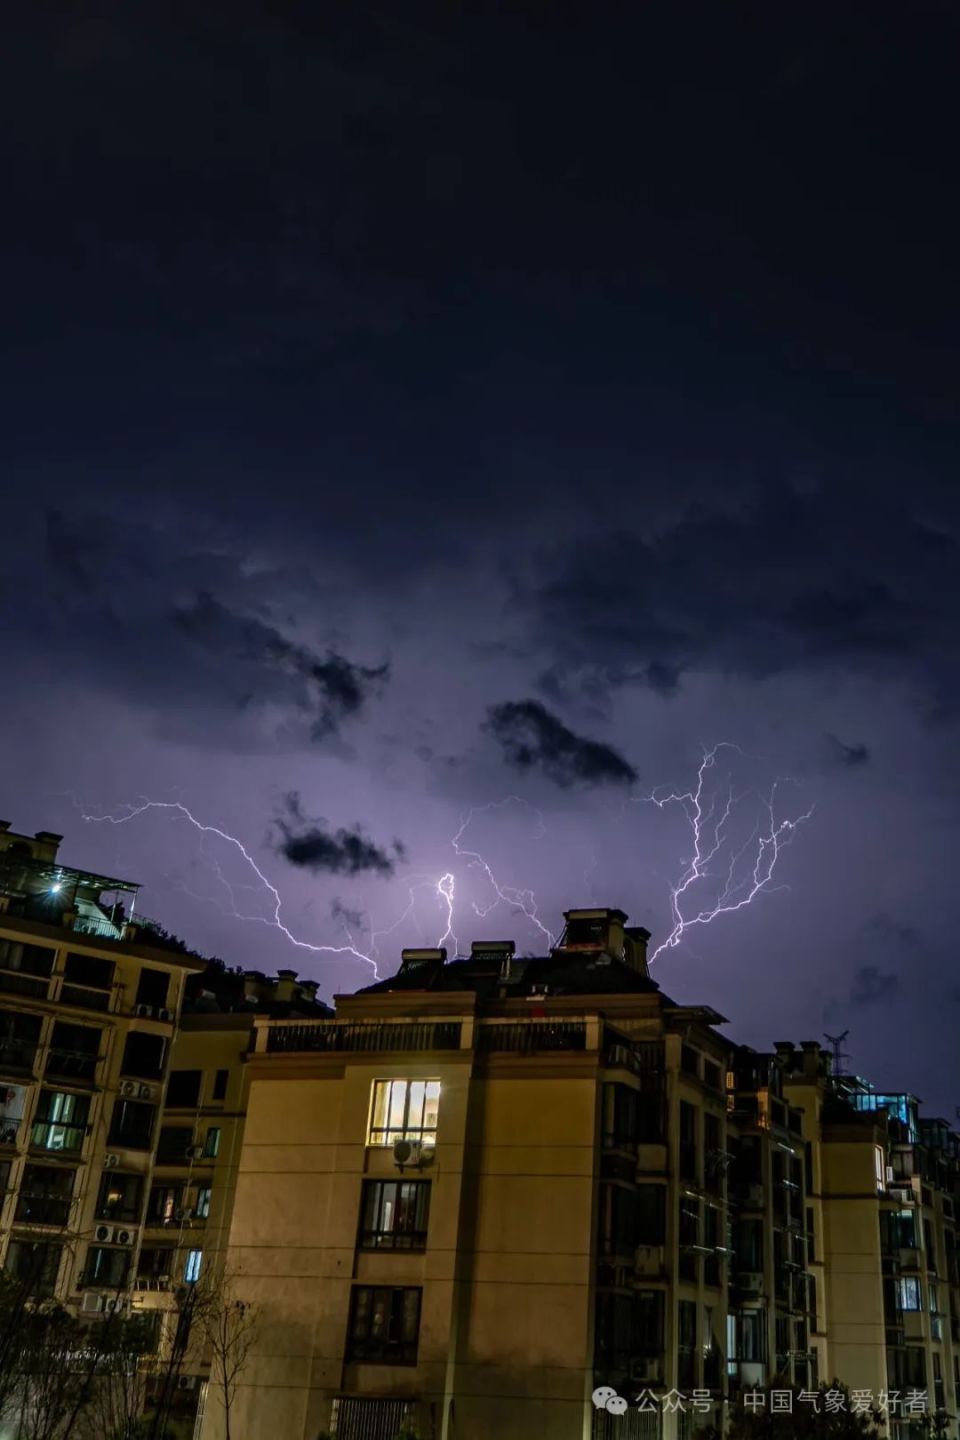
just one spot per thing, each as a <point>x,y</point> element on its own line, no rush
<point>709,816</point>
<point>273,921</point>
<point>522,900</point>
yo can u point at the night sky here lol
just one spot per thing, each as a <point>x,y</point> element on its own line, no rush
<point>414,408</point>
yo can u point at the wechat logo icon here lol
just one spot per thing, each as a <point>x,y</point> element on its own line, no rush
<point>606,1398</point>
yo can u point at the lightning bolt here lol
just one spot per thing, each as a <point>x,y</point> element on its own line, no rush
<point>274,922</point>
<point>522,900</point>
<point>709,816</point>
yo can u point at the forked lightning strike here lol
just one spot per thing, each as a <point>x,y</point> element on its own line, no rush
<point>708,821</point>
<point>274,922</point>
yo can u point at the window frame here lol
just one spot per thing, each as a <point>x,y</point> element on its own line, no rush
<point>387,1134</point>
<point>391,1348</point>
<point>396,1236</point>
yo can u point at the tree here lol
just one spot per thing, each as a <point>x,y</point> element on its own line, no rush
<point>229,1326</point>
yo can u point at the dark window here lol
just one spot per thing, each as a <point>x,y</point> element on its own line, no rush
<point>651,1214</point>
<point>753,1335</point>
<point>384,1325</point>
<point>689,1060</point>
<point>88,970</point>
<point>174,1142</point>
<point>652,1109</point>
<point>712,1075</point>
<point>143,1055</point>
<point>60,1121</point>
<point>688,1141</point>
<point>649,1317</point>
<point>13,1099</point>
<point>131,1124</point>
<point>34,1266</point>
<point>615,1342</point>
<point>687,1347</point>
<point>107,1266</point>
<point>220,1084</point>
<point>183,1089</point>
<point>74,1052</point>
<point>689,1235</point>
<point>153,988</point>
<point>156,1262</point>
<point>25,969</point>
<point>19,1038</point>
<point>618,1220</point>
<point>620,1110</point>
<point>119,1197</point>
<point>4,1182</point>
<point>45,1195</point>
<point>394,1214</point>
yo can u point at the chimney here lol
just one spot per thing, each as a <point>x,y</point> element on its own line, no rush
<point>285,984</point>
<point>635,947</point>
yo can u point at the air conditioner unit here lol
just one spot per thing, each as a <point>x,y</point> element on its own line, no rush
<point>182,1214</point>
<point>144,1012</point>
<point>166,1016</point>
<point>91,1304</point>
<point>145,1092</point>
<point>188,1382</point>
<point>645,1371</point>
<point>129,1089</point>
<point>110,1162</point>
<point>103,1234</point>
<point>750,1281</point>
<point>411,1152</point>
<point>194,1152</point>
<point>124,1237</point>
<point>115,1304</point>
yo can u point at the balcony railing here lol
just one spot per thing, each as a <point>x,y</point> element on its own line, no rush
<point>71,1065</point>
<point>331,1037</point>
<point>532,1037</point>
<point>15,982</point>
<point>85,997</point>
<point>18,1056</point>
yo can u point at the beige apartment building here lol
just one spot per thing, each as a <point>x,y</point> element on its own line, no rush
<point>88,1014</point>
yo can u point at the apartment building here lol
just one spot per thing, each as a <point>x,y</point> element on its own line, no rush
<point>491,1184</point>
<point>88,1013</point>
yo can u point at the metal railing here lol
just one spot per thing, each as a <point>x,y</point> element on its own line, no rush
<point>526,1037</point>
<point>333,1037</point>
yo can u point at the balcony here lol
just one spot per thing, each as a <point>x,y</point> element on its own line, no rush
<point>532,1037</point>
<point>15,982</point>
<point>85,997</point>
<point>332,1037</point>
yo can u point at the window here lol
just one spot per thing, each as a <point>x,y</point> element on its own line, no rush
<point>394,1214</point>
<point>165,1205</point>
<point>156,1262</point>
<point>753,1335</point>
<point>384,1324</point>
<point>183,1089</point>
<point>60,1122</point>
<point>74,1052</point>
<point>87,982</point>
<point>211,1144</point>
<point>144,1055</point>
<point>618,1219</point>
<point>619,1117</point>
<point>45,1195</point>
<point>131,1124</point>
<point>879,1167</point>
<point>191,1269</point>
<point>202,1208</point>
<point>908,1293</point>
<point>34,1266</point>
<point>153,988</point>
<point>4,1182</point>
<point>651,1214</point>
<point>119,1197</point>
<point>19,1038</point>
<point>25,969</point>
<point>689,1060</point>
<point>649,1321</point>
<point>107,1267</point>
<point>12,1103</point>
<point>220,1084</point>
<point>404,1110</point>
<point>173,1144</point>
<point>688,1141</point>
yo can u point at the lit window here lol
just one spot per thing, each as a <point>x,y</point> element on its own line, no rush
<point>879,1163</point>
<point>404,1110</point>
<point>191,1270</point>
<point>908,1292</point>
<point>211,1148</point>
<point>202,1207</point>
<point>384,1325</point>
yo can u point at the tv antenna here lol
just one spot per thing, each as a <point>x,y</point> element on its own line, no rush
<point>840,1056</point>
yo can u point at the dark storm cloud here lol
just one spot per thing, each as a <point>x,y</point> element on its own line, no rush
<point>871,984</point>
<point>826,579</point>
<point>534,739</point>
<point>335,687</point>
<point>311,845</point>
<point>851,756</point>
